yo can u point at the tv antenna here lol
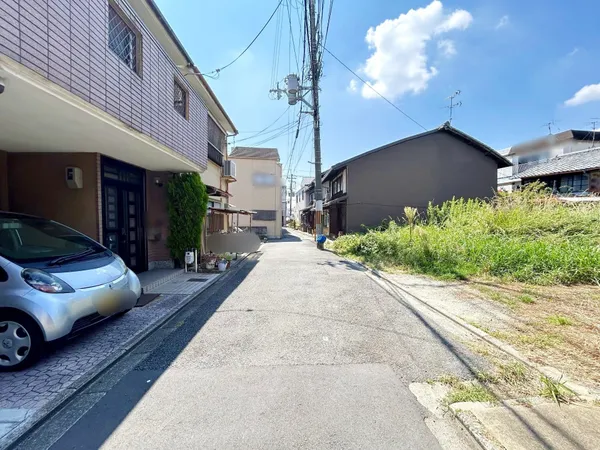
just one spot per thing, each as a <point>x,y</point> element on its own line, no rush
<point>453,105</point>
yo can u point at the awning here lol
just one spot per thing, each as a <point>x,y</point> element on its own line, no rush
<point>231,211</point>
<point>341,198</point>
<point>216,192</point>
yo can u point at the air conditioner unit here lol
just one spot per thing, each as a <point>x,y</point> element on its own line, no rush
<point>229,169</point>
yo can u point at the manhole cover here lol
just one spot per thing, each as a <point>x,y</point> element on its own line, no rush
<point>198,280</point>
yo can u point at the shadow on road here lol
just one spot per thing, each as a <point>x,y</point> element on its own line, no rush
<point>101,421</point>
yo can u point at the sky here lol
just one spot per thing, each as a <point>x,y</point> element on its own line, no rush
<point>517,64</point>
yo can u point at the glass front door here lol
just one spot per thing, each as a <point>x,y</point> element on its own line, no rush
<point>123,212</point>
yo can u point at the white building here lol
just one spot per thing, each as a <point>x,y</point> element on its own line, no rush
<point>529,154</point>
<point>302,200</point>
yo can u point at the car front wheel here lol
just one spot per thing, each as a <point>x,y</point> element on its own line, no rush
<point>21,341</point>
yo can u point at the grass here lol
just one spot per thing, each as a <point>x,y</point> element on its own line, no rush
<point>559,320</point>
<point>555,390</point>
<point>468,392</point>
<point>526,298</point>
<point>527,236</point>
<point>512,373</point>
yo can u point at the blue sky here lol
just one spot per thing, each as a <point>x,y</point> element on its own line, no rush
<point>515,62</point>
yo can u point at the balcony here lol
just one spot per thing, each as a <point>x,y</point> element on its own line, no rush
<point>215,155</point>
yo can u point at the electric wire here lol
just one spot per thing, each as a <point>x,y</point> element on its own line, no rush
<point>373,89</point>
<point>218,71</point>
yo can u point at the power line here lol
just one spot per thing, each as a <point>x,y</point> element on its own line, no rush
<point>218,71</point>
<point>373,89</point>
<point>266,128</point>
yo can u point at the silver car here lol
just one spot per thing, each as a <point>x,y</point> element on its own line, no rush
<point>54,281</point>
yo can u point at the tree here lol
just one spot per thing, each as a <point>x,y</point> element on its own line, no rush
<point>187,203</point>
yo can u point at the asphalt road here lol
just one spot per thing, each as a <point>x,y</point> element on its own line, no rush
<point>298,349</point>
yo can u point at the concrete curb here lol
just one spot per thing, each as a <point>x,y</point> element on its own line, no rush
<point>548,371</point>
<point>477,430</point>
<point>62,399</point>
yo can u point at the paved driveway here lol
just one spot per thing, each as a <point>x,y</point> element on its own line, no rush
<point>299,349</point>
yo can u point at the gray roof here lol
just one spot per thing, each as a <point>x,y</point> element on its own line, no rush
<point>571,162</point>
<point>445,128</point>
<point>255,153</point>
<point>306,180</point>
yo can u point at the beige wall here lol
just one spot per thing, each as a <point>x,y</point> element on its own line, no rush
<point>36,185</point>
<point>249,195</point>
<point>3,181</point>
<point>212,175</point>
<point>157,219</point>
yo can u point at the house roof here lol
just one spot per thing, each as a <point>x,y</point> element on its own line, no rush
<point>571,162</point>
<point>578,135</point>
<point>445,128</point>
<point>306,180</point>
<point>255,153</point>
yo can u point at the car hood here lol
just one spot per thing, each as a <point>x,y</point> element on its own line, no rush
<point>92,277</point>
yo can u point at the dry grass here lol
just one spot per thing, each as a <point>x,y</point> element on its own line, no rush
<point>557,326</point>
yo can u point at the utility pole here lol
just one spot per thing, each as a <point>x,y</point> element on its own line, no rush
<point>453,105</point>
<point>315,74</point>
<point>295,93</point>
<point>292,176</point>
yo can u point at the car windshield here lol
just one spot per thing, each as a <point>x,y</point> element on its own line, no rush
<point>31,239</point>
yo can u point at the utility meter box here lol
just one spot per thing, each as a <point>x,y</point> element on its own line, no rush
<point>74,177</point>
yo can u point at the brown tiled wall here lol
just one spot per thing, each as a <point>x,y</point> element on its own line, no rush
<point>66,41</point>
<point>37,186</point>
<point>3,181</point>
<point>157,217</point>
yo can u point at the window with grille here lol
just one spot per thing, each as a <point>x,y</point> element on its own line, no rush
<point>180,99</point>
<point>575,183</point>
<point>122,39</point>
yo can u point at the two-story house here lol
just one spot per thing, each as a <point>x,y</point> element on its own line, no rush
<point>302,200</point>
<point>527,156</point>
<point>258,189</point>
<point>100,104</point>
<point>434,166</point>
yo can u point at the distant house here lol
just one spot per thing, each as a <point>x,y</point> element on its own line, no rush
<point>527,155</point>
<point>302,199</point>
<point>259,189</point>
<point>576,173</point>
<point>433,166</point>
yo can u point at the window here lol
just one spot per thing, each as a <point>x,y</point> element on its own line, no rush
<point>122,39</point>
<point>578,182</point>
<point>336,186</point>
<point>180,99</point>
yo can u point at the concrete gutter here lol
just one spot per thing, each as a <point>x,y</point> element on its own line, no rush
<point>62,399</point>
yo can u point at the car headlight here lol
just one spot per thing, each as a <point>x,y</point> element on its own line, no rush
<point>121,262</point>
<point>45,282</point>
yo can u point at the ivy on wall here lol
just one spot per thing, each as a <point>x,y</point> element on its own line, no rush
<point>187,203</point>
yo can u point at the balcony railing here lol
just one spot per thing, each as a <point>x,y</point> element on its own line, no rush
<point>215,155</point>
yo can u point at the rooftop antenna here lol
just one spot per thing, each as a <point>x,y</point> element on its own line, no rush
<point>453,105</point>
<point>549,125</point>
<point>593,122</point>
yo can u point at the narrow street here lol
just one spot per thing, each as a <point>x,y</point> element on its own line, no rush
<point>298,349</point>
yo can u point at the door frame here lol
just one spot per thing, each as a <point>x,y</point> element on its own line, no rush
<point>121,185</point>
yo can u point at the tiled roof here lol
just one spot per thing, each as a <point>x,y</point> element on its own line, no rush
<point>571,162</point>
<point>255,153</point>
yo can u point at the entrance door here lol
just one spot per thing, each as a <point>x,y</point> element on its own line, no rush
<point>123,212</point>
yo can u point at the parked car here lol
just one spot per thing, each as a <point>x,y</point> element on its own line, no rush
<point>54,281</point>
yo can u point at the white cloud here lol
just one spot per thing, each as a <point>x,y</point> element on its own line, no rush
<point>573,52</point>
<point>504,20</point>
<point>398,63</point>
<point>589,93</point>
<point>447,47</point>
<point>352,87</point>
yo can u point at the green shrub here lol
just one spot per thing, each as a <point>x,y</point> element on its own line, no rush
<point>187,203</point>
<point>526,236</point>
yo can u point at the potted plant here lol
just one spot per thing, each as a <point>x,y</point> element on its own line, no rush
<point>211,261</point>
<point>228,258</point>
<point>222,263</point>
